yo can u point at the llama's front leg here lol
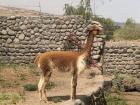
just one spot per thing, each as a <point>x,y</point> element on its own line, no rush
<point>73,86</point>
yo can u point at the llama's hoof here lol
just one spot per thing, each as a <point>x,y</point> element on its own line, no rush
<point>46,100</point>
<point>41,100</point>
<point>72,98</point>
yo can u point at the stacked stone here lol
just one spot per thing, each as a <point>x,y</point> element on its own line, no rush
<point>98,47</point>
<point>21,38</point>
<point>122,57</point>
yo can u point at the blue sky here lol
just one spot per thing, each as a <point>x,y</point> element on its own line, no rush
<point>118,10</point>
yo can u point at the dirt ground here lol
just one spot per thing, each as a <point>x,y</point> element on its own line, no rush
<point>62,84</point>
<point>14,78</point>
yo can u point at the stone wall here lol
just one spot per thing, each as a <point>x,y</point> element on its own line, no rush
<point>122,57</point>
<point>21,38</point>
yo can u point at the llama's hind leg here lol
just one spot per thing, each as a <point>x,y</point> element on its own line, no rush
<point>47,77</point>
<point>40,86</point>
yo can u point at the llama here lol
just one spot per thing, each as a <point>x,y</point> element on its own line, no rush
<point>73,61</point>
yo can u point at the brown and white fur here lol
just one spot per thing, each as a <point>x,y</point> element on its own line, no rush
<point>66,61</point>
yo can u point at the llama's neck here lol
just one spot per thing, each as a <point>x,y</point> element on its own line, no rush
<point>87,48</point>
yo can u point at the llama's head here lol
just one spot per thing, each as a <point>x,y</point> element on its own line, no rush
<point>95,27</point>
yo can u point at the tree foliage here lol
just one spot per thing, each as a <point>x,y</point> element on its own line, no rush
<point>130,31</point>
<point>83,9</point>
<point>130,22</point>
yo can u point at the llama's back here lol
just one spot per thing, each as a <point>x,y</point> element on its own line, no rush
<point>62,60</point>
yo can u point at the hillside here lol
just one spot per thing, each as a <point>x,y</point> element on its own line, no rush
<point>8,11</point>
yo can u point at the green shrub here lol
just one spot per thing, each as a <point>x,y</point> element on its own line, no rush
<point>30,87</point>
<point>117,99</point>
<point>129,79</point>
<point>56,99</point>
<point>119,81</point>
<point>50,85</point>
<point>34,87</point>
<point>9,99</point>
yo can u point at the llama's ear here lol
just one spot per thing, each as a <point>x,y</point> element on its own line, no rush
<point>89,27</point>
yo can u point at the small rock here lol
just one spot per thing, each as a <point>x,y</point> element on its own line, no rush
<point>121,51</point>
<point>27,38</point>
<point>40,30</point>
<point>26,22</point>
<point>59,26</point>
<point>21,36</point>
<point>110,50</point>
<point>32,32</point>
<point>64,26</point>
<point>67,22</point>
<point>73,21</point>
<point>12,17</point>
<point>79,33</point>
<point>23,27</point>
<point>137,87</point>
<point>53,26</point>
<point>16,40</point>
<point>137,51</point>
<point>58,48</point>
<point>137,66</point>
<point>36,29</point>
<point>138,75</point>
<point>137,56</point>
<point>82,37</point>
<point>4,32</point>
<point>37,34</point>
<point>100,39</point>
<point>9,40</point>
<point>129,50</point>
<point>37,39</point>
<point>79,102</point>
<point>10,32</point>
<point>70,26</point>
<point>96,56</point>
<point>128,67</point>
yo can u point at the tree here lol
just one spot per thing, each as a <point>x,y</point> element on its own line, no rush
<point>129,22</point>
<point>86,4</point>
<point>69,10</point>
<point>83,9</point>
